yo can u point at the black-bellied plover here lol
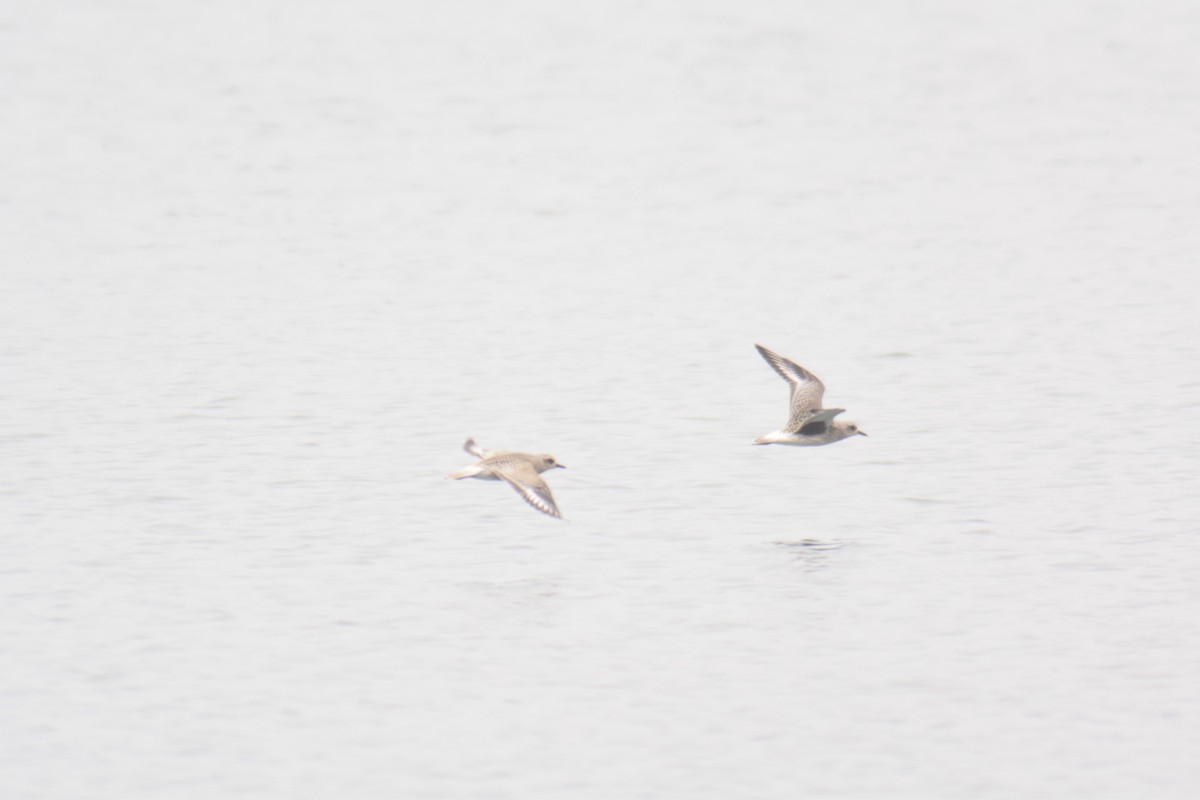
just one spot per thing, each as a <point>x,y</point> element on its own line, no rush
<point>518,470</point>
<point>808,423</point>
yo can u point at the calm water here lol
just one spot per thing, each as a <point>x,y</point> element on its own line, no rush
<point>266,267</point>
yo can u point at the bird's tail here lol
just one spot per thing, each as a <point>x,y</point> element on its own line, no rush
<point>465,472</point>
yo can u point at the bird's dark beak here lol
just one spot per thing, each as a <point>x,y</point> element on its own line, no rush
<point>561,466</point>
<point>862,433</point>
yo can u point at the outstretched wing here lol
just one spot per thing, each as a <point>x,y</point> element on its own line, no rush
<point>807,389</point>
<point>525,479</point>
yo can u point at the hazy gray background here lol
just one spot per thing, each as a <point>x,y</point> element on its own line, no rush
<point>266,264</point>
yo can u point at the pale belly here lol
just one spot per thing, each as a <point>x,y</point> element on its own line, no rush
<point>796,440</point>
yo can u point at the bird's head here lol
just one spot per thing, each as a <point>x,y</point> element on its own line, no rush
<point>549,462</point>
<point>851,429</point>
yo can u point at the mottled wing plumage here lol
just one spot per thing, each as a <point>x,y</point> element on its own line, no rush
<point>524,478</point>
<point>807,389</point>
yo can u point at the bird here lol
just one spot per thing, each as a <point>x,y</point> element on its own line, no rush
<point>808,424</point>
<point>518,470</point>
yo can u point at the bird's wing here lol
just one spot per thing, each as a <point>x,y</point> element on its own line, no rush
<point>525,479</point>
<point>807,389</point>
<point>817,422</point>
<point>475,449</point>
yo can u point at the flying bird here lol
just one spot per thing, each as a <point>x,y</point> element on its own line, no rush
<point>519,470</point>
<point>808,424</point>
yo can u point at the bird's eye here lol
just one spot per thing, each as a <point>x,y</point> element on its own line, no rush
<point>853,427</point>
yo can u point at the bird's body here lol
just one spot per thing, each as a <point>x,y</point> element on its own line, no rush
<point>808,425</point>
<point>519,470</point>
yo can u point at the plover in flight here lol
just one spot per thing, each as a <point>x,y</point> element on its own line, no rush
<point>808,423</point>
<point>518,470</point>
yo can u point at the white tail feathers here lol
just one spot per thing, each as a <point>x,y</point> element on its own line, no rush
<point>465,472</point>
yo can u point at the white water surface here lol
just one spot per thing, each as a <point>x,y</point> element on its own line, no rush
<point>267,264</point>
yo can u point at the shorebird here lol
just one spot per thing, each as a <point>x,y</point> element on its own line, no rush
<point>808,424</point>
<point>518,470</point>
